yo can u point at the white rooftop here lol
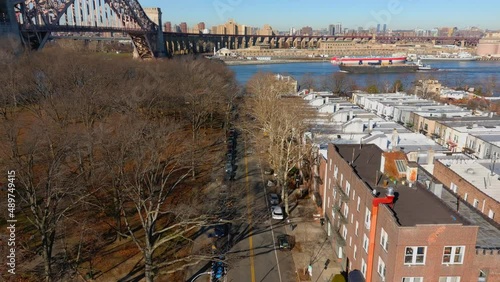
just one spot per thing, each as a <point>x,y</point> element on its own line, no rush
<point>477,173</point>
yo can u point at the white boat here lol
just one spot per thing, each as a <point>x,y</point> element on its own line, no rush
<point>422,66</point>
<point>462,56</point>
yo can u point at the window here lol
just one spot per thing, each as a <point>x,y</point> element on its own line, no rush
<point>381,268</point>
<point>449,279</point>
<point>415,255</point>
<point>366,242</point>
<point>453,187</point>
<point>335,171</point>
<point>341,179</point>
<point>491,214</point>
<point>355,251</point>
<point>335,193</point>
<point>413,279</point>
<point>476,203</point>
<point>353,193</point>
<point>346,211</point>
<point>465,197</point>
<point>350,241</point>
<point>352,217</point>
<point>328,205</point>
<point>347,188</point>
<point>357,227</point>
<point>384,237</point>
<point>359,202</point>
<point>363,267</point>
<point>368,216</point>
<point>329,183</point>
<point>330,164</point>
<point>344,232</point>
<point>453,255</point>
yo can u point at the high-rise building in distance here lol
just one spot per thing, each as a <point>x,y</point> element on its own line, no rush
<point>201,25</point>
<point>331,29</point>
<point>183,26</point>
<point>167,27</point>
<point>306,30</point>
<point>338,28</point>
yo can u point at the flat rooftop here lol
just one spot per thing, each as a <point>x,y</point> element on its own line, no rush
<point>480,173</point>
<point>413,206</point>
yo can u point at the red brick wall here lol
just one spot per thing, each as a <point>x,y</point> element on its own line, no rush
<point>489,262</point>
<point>435,237</point>
<point>445,175</point>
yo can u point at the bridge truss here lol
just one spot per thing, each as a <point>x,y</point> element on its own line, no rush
<point>38,19</point>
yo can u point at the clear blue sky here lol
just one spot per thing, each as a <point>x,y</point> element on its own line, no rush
<point>283,14</point>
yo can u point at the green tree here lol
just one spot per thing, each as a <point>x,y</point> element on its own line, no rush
<point>372,89</point>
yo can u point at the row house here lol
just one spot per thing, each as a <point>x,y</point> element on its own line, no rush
<point>477,182</point>
<point>404,233</point>
<point>483,145</point>
<point>454,133</point>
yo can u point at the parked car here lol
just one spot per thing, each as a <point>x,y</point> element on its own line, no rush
<point>274,199</point>
<point>268,171</point>
<point>284,242</point>
<point>218,270</point>
<point>221,230</point>
<point>277,212</point>
<point>229,167</point>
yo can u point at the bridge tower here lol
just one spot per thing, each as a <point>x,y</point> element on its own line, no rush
<point>154,14</point>
<point>38,19</point>
<point>8,25</point>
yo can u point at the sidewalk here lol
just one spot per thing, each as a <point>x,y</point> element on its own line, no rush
<point>312,245</point>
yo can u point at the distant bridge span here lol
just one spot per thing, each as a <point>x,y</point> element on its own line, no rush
<point>194,42</point>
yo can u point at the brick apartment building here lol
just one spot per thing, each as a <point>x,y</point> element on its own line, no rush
<point>417,238</point>
<point>474,182</point>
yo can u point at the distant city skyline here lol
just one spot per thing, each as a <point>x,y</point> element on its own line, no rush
<point>285,14</point>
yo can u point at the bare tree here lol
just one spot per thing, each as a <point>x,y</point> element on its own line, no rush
<point>156,170</point>
<point>282,120</point>
<point>49,186</point>
<point>307,81</point>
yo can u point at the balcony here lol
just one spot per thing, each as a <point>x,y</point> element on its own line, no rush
<point>343,196</point>
<point>338,238</point>
<point>338,211</point>
<point>467,150</point>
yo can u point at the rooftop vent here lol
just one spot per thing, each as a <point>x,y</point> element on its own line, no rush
<point>470,171</point>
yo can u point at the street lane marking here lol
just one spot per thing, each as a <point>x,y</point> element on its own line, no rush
<point>249,205</point>
<point>271,221</point>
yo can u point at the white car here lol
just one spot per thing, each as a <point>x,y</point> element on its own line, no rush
<point>277,212</point>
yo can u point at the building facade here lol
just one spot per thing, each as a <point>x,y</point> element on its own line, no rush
<point>416,238</point>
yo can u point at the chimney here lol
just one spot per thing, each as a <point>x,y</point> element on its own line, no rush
<point>474,125</point>
<point>430,157</point>
<point>370,125</point>
<point>335,107</point>
<point>395,139</point>
<point>351,115</point>
<point>327,100</point>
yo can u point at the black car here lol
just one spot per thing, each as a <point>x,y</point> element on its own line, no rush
<point>284,242</point>
<point>221,230</point>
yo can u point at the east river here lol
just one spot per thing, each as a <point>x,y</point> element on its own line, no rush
<point>451,73</point>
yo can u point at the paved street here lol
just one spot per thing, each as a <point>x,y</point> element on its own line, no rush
<point>254,257</point>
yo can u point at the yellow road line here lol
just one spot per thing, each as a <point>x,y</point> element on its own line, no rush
<point>249,205</point>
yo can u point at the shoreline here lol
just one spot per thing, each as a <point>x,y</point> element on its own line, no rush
<point>237,63</point>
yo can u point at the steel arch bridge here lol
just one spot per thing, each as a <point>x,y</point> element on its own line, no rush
<point>38,19</point>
